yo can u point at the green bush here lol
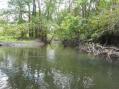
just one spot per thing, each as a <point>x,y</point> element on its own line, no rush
<point>69,27</point>
<point>91,28</point>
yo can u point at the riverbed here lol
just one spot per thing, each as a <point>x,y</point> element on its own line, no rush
<point>54,67</point>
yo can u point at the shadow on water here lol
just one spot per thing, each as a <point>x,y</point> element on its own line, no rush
<point>54,68</point>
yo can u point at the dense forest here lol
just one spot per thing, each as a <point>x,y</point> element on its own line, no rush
<point>70,21</point>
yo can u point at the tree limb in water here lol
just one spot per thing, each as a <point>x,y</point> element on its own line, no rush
<point>109,53</point>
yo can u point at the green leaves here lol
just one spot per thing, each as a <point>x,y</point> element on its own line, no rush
<point>88,28</point>
<point>69,27</point>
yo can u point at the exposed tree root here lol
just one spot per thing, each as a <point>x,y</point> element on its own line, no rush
<point>109,53</point>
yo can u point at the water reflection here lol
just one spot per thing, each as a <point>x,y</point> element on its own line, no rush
<point>51,54</point>
<point>48,68</point>
<point>88,82</point>
<point>61,80</point>
<point>4,81</point>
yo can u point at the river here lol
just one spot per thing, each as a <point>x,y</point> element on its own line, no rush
<point>54,68</point>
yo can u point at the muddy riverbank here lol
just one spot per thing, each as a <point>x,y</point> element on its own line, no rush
<point>22,44</point>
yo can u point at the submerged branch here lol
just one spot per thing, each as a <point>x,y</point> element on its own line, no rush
<point>109,53</point>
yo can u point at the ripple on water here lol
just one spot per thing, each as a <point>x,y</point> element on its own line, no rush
<point>3,80</point>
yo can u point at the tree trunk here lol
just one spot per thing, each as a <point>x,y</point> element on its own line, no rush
<point>34,8</point>
<point>39,6</point>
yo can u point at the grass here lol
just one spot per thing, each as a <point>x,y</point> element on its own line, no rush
<point>13,39</point>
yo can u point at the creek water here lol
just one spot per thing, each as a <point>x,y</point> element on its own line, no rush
<point>54,68</point>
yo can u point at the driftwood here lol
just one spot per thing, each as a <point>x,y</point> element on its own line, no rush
<point>109,53</point>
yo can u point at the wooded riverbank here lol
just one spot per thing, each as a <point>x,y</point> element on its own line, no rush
<point>109,53</point>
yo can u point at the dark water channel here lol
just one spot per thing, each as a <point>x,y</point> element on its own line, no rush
<point>54,68</point>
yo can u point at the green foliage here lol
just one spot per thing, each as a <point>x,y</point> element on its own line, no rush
<point>69,27</point>
<point>66,19</point>
<point>102,23</point>
<point>15,31</point>
<point>7,38</point>
<point>88,28</point>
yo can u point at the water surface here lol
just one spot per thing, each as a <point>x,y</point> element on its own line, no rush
<point>54,68</point>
